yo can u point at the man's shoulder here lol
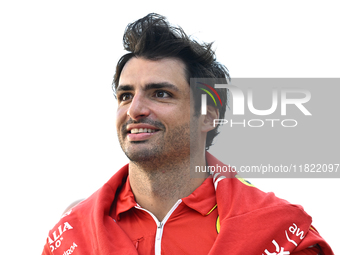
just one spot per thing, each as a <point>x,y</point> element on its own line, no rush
<point>247,213</point>
<point>102,198</point>
<point>84,217</point>
<point>233,190</point>
<point>240,196</point>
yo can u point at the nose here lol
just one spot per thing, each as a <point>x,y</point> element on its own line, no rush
<point>138,107</point>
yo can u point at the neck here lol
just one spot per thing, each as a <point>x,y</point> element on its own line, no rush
<point>157,187</point>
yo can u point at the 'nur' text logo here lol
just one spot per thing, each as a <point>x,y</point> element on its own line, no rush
<point>239,98</point>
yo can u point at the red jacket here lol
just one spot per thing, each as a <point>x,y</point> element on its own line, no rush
<point>251,222</point>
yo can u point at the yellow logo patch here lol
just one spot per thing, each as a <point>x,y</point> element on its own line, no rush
<point>218,225</point>
<point>244,181</point>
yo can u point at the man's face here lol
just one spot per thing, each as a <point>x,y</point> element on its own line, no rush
<point>153,117</point>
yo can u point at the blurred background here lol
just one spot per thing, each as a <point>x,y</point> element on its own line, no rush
<point>57,110</point>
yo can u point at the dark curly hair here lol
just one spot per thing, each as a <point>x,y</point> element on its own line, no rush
<point>153,38</point>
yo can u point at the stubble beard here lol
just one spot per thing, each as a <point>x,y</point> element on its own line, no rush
<point>164,162</point>
<point>165,151</point>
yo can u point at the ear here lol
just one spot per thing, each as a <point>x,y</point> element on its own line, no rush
<point>208,119</point>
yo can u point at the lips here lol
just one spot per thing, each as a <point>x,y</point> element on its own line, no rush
<point>140,132</point>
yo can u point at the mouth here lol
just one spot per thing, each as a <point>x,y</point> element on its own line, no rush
<point>141,130</point>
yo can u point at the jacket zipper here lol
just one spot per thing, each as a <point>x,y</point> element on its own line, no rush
<point>160,225</point>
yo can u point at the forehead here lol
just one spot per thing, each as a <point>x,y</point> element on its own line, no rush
<point>140,71</point>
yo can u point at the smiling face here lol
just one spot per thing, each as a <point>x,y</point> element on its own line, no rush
<point>153,116</point>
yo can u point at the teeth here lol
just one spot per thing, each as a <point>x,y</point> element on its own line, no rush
<point>141,130</point>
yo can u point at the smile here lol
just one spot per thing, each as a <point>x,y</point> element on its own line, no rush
<point>142,130</point>
<point>140,134</point>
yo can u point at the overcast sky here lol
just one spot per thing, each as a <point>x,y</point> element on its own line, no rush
<point>58,139</point>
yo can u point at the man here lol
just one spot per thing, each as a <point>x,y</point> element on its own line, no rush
<point>153,205</point>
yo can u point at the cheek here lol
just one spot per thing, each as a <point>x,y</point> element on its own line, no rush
<point>180,115</point>
<point>186,110</point>
<point>120,117</point>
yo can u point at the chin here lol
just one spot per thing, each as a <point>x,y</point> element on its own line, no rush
<point>142,155</point>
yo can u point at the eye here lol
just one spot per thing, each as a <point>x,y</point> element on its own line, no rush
<point>125,96</point>
<point>162,94</point>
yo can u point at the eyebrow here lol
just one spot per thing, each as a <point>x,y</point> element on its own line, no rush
<point>158,85</point>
